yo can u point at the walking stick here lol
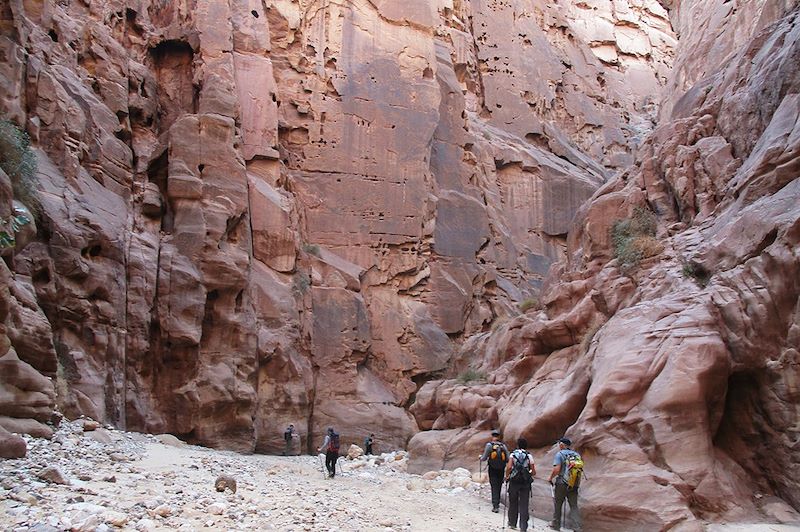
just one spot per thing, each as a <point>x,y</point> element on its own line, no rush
<point>505,506</point>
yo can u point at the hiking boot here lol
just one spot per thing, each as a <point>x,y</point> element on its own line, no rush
<point>496,509</point>
<point>512,527</point>
<point>554,526</point>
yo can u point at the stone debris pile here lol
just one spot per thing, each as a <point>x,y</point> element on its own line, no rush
<point>90,478</point>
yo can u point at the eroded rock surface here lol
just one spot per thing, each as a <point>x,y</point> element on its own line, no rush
<point>271,212</point>
<point>364,215</point>
<point>678,374</point>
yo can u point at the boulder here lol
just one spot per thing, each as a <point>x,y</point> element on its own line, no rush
<point>11,445</point>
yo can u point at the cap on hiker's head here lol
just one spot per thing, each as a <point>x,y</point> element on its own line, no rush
<point>495,432</point>
<point>330,429</point>
<point>565,441</point>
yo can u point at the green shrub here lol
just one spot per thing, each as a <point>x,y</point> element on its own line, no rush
<point>634,238</point>
<point>311,249</point>
<point>19,162</point>
<point>301,282</point>
<point>529,303</point>
<point>498,322</point>
<point>471,375</point>
<point>693,270</point>
<point>15,223</point>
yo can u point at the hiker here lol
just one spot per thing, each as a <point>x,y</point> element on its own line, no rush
<point>331,446</point>
<point>368,444</point>
<point>567,472</point>
<point>288,435</point>
<point>519,475</point>
<point>495,454</point>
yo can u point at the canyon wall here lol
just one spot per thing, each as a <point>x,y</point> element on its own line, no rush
<point>676,373</point>
<point>369,215</point>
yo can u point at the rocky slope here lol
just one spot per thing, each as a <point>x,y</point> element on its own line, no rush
<point>677,374</point>
<point>263,212</point>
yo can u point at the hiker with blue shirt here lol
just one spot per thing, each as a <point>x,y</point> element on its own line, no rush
<point>567,472</point>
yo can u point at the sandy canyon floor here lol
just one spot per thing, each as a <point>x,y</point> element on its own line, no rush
<point>105,479</point>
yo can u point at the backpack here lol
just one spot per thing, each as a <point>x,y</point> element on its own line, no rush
<point>287,435</point>
<point>333,444</point>
<point>520,470</point>
<point>574,465</point>
<point>498,456</point>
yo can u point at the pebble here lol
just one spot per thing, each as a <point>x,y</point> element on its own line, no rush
<point>94,480</point>
<point>52,474</point>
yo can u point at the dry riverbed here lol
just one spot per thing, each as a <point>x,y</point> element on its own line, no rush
<point>102,479</point>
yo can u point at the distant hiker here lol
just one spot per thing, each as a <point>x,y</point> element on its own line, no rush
<point>495,454</point>
<point>567,472</point>
<point>368,444</point>
<point>331,447</point>
<point>288,435</point>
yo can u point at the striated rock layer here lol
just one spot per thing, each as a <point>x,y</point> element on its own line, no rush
<point>257,213</point>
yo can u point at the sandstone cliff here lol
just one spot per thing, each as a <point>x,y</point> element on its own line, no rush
<point>263,212</point>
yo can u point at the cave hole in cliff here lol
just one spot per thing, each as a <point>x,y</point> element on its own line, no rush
<point>238,302</point>
<point>208,314</point>
<point>157,173</point>
<point>91,251</point>
<point>233,230</point>
<point>41,277</point>
<point>173,64</point>
<point>53,35</point>
<point>124,132</point>
<point>254,13</point>
<point>100,293</point>
<point>744,433</point>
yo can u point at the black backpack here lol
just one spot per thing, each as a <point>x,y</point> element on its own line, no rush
<point>287,435</point>
<point>520,469</point>
<point>498,456</point>
<point>333,444</point>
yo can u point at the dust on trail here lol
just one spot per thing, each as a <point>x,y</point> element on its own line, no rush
<point>111,480</point>
<point>117,480</point>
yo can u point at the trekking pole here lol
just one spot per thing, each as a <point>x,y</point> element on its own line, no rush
<point>505,506</point>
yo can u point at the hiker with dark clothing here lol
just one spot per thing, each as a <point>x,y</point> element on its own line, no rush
<point>566,483</point>
<point>288,435</point>
<point>331,447</point>
<point>368,444</point>
<point>519,475</point>
<point>495,454</point>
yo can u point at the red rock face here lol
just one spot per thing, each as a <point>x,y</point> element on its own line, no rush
<point>257,213</point>
<point>675,378</point>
